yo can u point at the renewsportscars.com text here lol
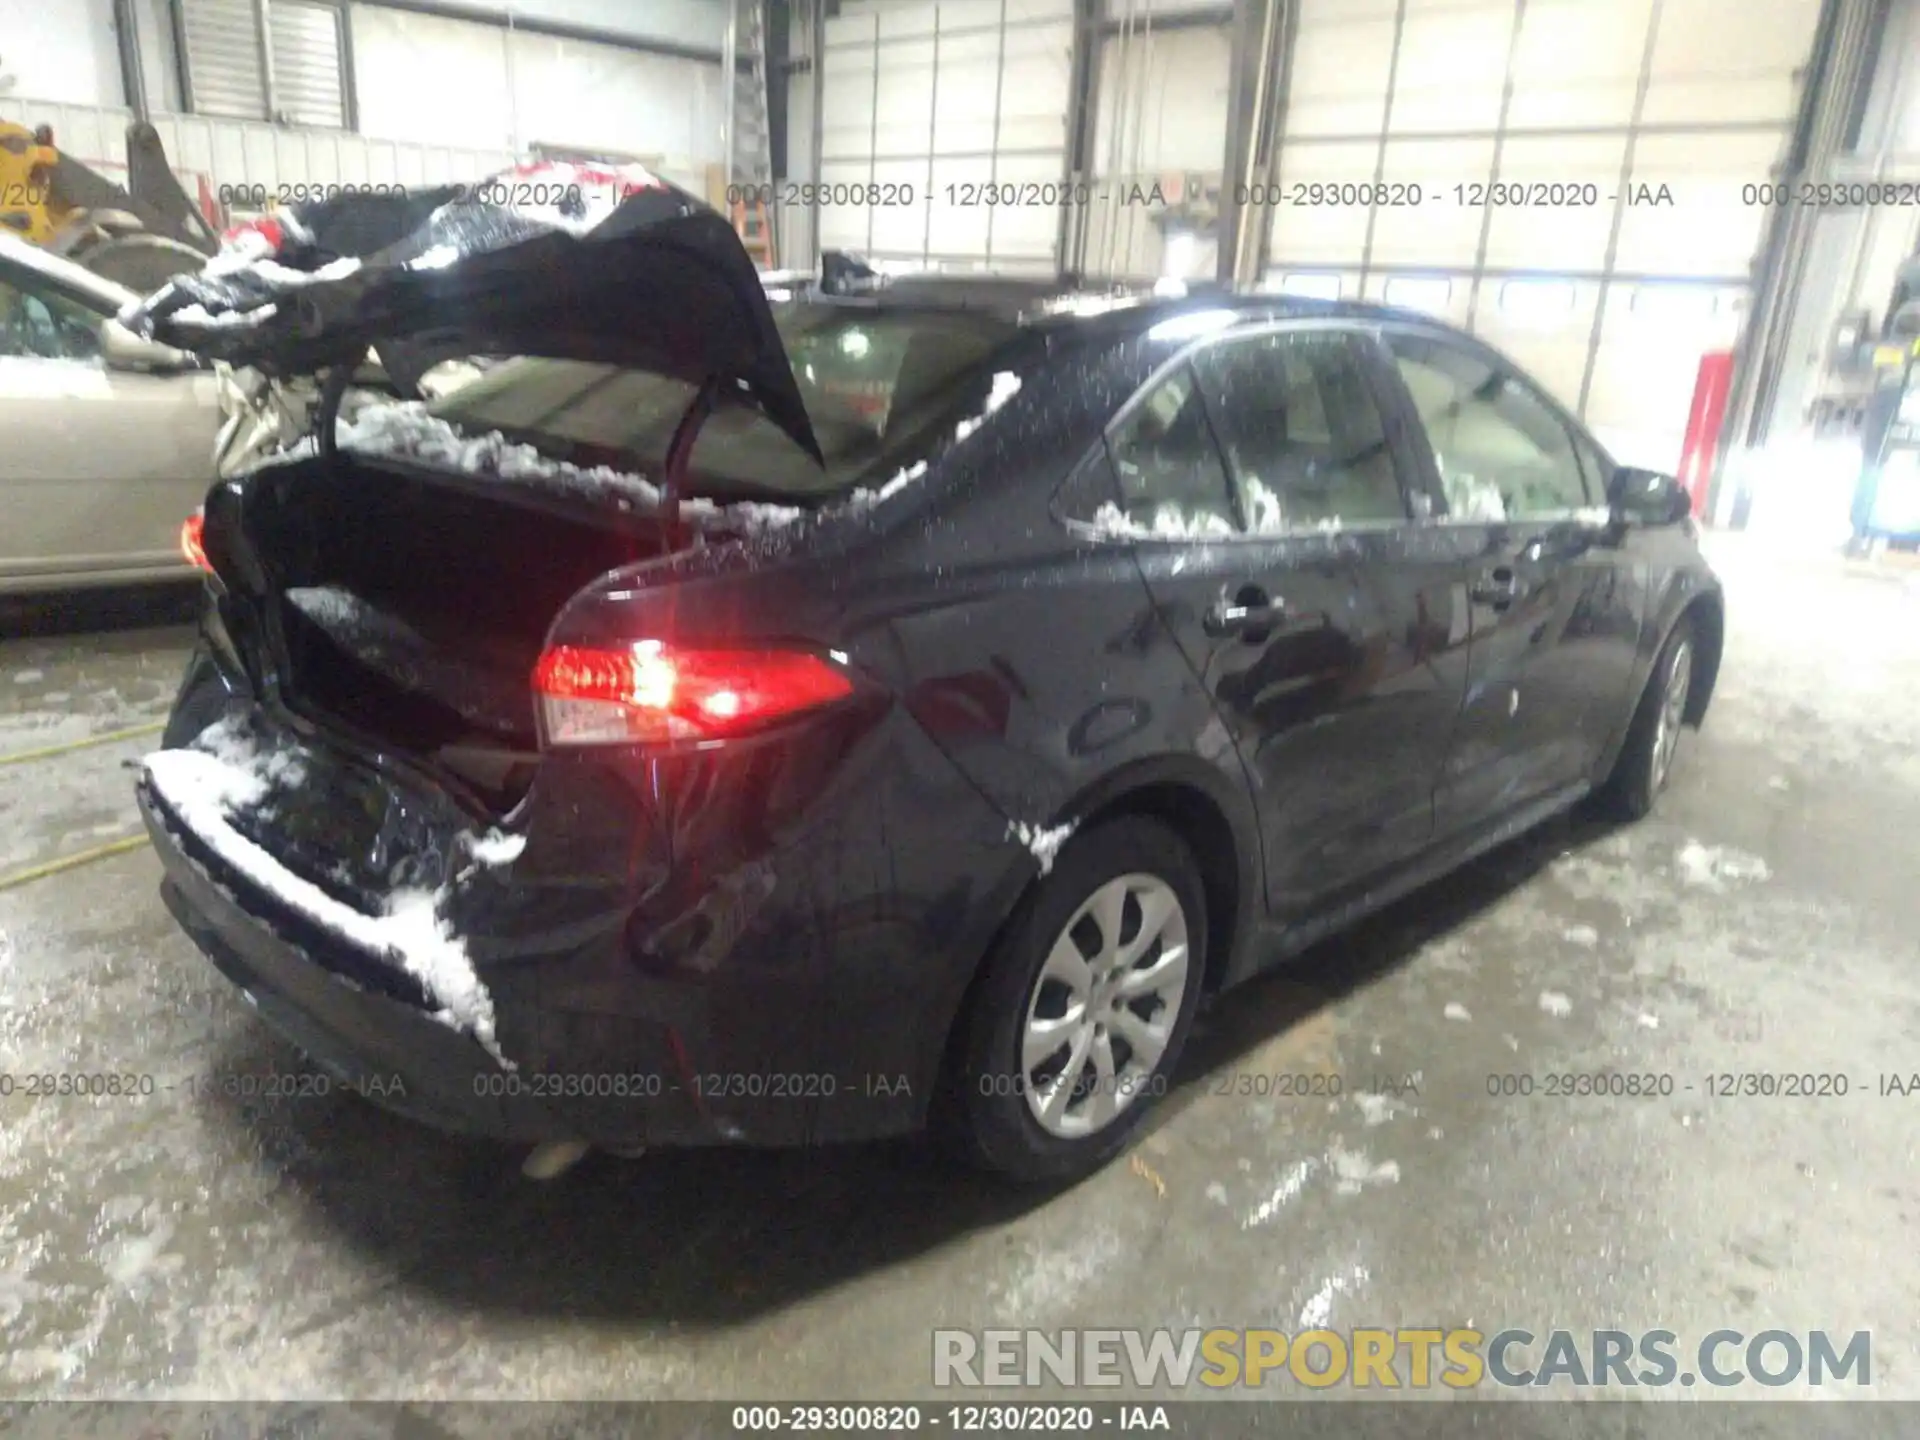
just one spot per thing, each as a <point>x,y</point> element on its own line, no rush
<point>1397,1359</point>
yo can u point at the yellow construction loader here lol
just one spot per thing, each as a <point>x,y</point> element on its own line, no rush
<point>141,234</point>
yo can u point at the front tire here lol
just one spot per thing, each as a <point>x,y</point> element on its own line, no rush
<point>1079,1018</point>
<point>1645,762</point>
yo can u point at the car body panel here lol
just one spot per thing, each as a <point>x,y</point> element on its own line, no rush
<point>101,464</point>
<point>1369,660</point>
<point>779,934</point>
<point>1551,650</point>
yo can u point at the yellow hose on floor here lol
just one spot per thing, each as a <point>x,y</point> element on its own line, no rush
<point>47,752</point>
<point>71,862</point>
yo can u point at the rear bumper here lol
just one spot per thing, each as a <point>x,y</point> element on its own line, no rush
<point>790,980</point>
<point>386,1049</point>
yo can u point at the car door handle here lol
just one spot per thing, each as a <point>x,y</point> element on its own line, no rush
<point>1498,587</point>
<point>1243,615</point>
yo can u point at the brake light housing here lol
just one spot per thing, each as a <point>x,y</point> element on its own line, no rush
<point>652,693</point>
<point>192,542</point>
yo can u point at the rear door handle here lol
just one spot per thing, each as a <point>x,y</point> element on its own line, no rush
<point>1498,587</point>
<point>1249,612</point>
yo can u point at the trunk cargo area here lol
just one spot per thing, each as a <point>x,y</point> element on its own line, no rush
<point>412,607</point>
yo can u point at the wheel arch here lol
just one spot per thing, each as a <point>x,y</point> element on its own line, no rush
<point>1212,816</point>
<point>1708,613</point>
<point>1208,812</point>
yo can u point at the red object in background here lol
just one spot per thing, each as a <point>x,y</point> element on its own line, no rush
<point>1711,388</point>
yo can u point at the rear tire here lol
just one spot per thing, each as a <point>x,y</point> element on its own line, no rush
<point>1096,976</point>
<point>1645,762</point>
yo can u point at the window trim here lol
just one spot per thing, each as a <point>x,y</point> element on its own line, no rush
<point>1472,345</point>
<point>1364,329</point>
<point>28,281</point>
<point>25,277</point>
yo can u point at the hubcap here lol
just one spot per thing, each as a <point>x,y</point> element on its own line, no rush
<point>1673,710</point>
<point>1104,1005</point>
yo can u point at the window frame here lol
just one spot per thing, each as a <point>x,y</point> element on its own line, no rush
<point>1359,347</point>
<point>1578,436</point>
<point>1230,491</point>
<point>28,281</point>
<point>1403,435</point>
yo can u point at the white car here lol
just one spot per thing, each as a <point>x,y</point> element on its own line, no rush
<point>106,439</point>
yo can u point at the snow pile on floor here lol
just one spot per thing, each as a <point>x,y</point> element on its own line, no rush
<point>1714,867</point>
<point>1045,844</point>
<point>1553,1003</point>
<point>406,430</point>
<point>223,772</point>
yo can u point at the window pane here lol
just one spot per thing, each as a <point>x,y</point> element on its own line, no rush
<point>1167,465</point>
<point>1420,293</point>
<point>1302,433</point>
<point>1502,453</point>
<point>874,386</point>
<point>47,326</point>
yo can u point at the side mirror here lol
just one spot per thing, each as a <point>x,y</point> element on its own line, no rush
<point>124,350</point>
<point>1647,497</point>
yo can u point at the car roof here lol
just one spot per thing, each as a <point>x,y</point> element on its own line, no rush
<point>1117,308</point>
<point>110,294</point>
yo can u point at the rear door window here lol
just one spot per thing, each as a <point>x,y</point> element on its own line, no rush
<point>1167,466</point>
<point>39,322</point>
<point>1305,440</point>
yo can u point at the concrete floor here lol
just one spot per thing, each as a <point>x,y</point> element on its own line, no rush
<point>1767,917</point>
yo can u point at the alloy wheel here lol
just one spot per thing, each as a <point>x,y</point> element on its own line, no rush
<point>1673,710</point>
<point>1104,1005</point>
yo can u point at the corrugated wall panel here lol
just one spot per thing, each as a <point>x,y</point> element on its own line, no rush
<point>1596,230</point>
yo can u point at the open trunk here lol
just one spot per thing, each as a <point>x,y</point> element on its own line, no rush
<point>407,602</point>
<point>408,608</point>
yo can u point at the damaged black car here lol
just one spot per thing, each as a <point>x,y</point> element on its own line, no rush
<point>734,719</point>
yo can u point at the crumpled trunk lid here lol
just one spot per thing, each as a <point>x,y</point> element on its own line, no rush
<point>582,262</point>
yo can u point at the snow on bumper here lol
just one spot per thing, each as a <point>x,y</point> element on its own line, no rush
<point>203,789</point>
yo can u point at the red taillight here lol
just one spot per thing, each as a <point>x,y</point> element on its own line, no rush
<point>191,548</point>
<point>652,692</point>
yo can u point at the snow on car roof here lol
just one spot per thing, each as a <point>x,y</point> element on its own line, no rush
<point>64,272</point>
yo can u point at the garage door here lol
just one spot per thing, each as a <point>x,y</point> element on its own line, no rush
<point>1575,180</point>
<point>943,136</point>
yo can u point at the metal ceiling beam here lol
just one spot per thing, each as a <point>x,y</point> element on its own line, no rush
<point>557,29</point>
<point>126,36</point>
<point>1256,99</point>
<point>1826,104</point>
<point>1089,35</point>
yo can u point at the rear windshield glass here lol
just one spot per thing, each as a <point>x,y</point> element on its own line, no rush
<point>875,384</point>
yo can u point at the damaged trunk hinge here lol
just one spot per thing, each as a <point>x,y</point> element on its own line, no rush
<point>327,413</point>
<point>680,455</point>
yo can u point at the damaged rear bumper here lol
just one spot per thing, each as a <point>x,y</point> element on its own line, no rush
<point>351,1013</point>
<point>660,972</point>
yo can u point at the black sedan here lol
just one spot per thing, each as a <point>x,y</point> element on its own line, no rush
<point>778,722</point>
